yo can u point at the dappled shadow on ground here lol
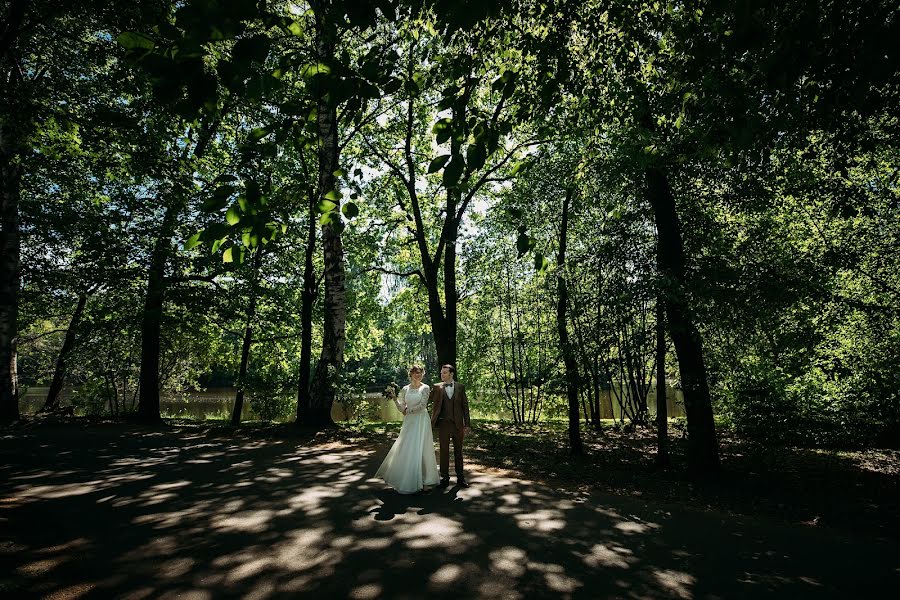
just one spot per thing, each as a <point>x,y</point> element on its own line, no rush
<point>118,511</point>
<point>854,491</point>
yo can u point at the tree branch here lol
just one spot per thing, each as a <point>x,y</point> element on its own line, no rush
<point>186,278</point>
<point>363,122</point>
<point>486,176</point>
<point>395,168</point>
<point>29,340</point>
<point>417,272</point>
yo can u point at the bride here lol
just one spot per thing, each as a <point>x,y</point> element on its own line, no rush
<point>410,465</point>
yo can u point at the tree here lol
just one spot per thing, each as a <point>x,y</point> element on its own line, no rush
<point>477,87</point>
<point>37,89</point>
<point>331,360</point>
<point>571,366</point>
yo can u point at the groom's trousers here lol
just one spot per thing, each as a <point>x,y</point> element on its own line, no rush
<point>447,429</point>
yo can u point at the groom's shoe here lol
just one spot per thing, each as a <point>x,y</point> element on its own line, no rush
<point>444,483</point>
<point>461,483</point>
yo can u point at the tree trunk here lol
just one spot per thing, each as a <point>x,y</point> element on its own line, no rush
<point>569,361</point>
<point>317,412</point>
<point>444,320</point>
<point>59,375</point>
<point>703,450</point>
<point>242,374</point>
<point>248,339</point>
<point>446,343</point>
<point>446,352</point>
<point>151,322</point>
<point>444,323</point>
<point>14,115</point>
<point>10,180</point>
<point>308,299</point>
<point>662,415</point>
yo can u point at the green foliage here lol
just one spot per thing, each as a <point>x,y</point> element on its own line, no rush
<point>465,123</point>
<point>351,395</point>
<point>92,398</point>
<point>272,407</point>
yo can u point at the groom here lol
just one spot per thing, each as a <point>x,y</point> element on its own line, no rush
<point>451,417</point>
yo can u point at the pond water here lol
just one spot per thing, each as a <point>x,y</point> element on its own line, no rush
<point>215,403</point>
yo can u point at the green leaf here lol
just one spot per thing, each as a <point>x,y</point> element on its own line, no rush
<point>326,206</point>
<point>453,171</point>
<point>245,239</point>
<point>252,49</point>
<point>213,204</point>
<point>523,244</point>
<point>215,231</point>
<point>340,173</point>
<point>131,40</point>
<point>228,256</point>
<point>233,216</point>
<point>442,130</point>
<point>392,85</point>
<point>334,195</point>
<point>295,28</point>
<point>254,194</point>
<point>313,69</point>
<point>438,163</point>
<point>192,241</point>
<point>476,155</point>
<point>518,167</point>
<point>261,86</point>
<point>258,133</point>
<point>446,102</point>
<point>541,264</point>
<point>350,210</point>
<point>224,191</point>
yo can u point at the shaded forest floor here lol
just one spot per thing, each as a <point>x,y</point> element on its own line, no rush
<point>846,489</point>
<point>93,509</point>
<point>852,489</point>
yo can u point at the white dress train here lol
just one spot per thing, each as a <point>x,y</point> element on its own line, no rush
<point>410,464</point>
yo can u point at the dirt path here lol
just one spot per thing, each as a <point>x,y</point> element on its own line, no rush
<point>113,511</point>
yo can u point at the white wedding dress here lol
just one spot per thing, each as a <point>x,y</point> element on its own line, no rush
<point>410,465</point>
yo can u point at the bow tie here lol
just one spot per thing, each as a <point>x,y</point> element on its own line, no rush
<point>449,385</point>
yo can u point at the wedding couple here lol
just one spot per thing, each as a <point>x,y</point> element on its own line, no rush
<point>409,466</point>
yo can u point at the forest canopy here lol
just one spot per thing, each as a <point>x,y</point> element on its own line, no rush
<point>569,200</point>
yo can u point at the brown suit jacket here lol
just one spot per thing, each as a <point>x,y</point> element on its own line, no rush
<point>460,404</point>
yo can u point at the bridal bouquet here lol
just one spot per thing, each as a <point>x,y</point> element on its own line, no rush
<point>391,390</point>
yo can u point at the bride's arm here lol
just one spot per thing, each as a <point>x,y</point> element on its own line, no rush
<point>400,401</point>
<point>418,401</point>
